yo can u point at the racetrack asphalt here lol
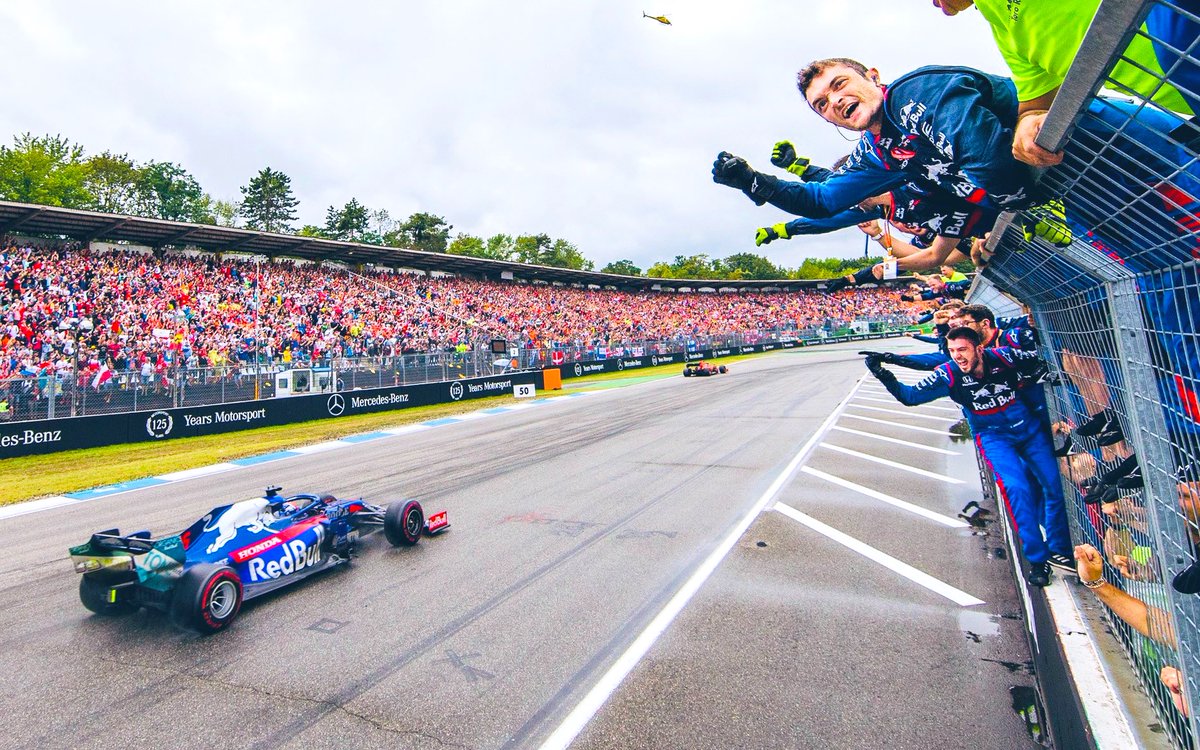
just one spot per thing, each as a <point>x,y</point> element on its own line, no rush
<point>573,526</point>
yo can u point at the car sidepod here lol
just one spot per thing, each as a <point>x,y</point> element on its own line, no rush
<point>276,559</point>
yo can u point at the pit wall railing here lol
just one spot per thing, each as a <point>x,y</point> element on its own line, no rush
<point>1115,302</point>
<point>84,389</point>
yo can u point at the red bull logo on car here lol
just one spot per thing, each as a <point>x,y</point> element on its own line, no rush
<point>289,557</point>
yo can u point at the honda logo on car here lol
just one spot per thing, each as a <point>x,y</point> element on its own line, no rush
<point>294,556</point>
<point>246,553</point>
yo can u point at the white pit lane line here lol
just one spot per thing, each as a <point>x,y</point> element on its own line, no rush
<point>578,718</point>
<point>893,464</point>
<point>893,402</point>
<point>943,433</point>
<point>955,523</point>
<point>886,439</point>
<point>907,412</point>
<point>959,597</point>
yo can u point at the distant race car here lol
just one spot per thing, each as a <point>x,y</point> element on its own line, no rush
<point>201,576</point>
<point>703,368</point>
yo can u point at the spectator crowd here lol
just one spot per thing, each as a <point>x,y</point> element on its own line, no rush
<point>67,309</point>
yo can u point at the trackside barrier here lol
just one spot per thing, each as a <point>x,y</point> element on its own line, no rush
<point>52,435</point>
<point>620,364</point>
<point>1116,299</point>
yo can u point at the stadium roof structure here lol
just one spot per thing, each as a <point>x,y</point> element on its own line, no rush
<point>88,226</point>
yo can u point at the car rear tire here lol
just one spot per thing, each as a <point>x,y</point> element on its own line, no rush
<point>687,373</point>
<point>94,593</point>
<point>207,598</point>
<point>403,523</point>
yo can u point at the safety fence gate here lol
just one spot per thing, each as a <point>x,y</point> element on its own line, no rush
<point>1115,298</point>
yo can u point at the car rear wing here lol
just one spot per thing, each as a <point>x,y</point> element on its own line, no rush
<point>111,550</point>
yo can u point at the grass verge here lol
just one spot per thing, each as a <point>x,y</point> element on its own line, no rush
<point>30,477</point>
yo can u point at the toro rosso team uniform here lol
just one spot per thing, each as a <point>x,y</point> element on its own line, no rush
<point>946,129</point>
<point>1011,436</point>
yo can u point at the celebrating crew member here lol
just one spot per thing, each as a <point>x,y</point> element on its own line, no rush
<point>985,383</point>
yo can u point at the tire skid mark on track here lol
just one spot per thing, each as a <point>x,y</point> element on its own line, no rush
<point>383,672</point>
<point>90,725</point>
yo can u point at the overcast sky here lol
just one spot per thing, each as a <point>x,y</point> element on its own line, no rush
<point>577,118</point>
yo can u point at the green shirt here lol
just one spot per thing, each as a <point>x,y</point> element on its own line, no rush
<point>1040,38</point>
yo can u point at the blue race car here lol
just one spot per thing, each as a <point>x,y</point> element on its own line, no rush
<point>201,576</point>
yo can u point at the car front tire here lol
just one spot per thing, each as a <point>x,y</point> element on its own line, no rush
<point>403,523</point>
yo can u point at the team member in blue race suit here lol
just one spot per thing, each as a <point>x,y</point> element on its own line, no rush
<point>985,383</point>
<point>946,129</point>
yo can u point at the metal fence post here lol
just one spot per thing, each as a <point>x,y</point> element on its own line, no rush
<point>1150,438</point>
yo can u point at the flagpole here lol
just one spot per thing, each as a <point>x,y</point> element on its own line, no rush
<point>257,359</point>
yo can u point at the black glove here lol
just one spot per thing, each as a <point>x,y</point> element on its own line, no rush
<point>874,362</point>
<point>834,285</point>
<point>735,172</point>
<point>881,356</point>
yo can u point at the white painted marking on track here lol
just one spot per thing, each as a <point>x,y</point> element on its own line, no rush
<point>577,719</point>
<point>956,523</point>
<point>33,506</point>
<point>906,412</point>
<point>894,402</point>
<point>417,427</point>
<point>921,578</point>
<point>943,433</point>
<point>305,450</point>
<point>908,443</point>
<point>203,471</point>
<point>892,464</point>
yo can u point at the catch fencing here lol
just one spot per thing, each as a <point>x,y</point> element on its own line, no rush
<point>1115,300</point>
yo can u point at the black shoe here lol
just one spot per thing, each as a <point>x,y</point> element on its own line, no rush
<point>1122,470</point>
<point>1133,480</point>
<point>1039,575</point>
<point>1061,562</point>
<point>1110,437</point>
<point>1064,448</point>
<point>1099,492</point>
<point>1098,423</point>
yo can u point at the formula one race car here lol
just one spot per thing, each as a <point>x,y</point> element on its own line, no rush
<point>703,368</point>
<point>201,576</point>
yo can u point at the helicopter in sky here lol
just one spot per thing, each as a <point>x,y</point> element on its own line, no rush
<point>661,19</point>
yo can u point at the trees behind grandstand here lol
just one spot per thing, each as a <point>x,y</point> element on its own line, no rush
<point>268,203</point>
<point>50,170</point>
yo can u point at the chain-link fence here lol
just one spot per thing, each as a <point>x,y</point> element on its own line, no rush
<point>89,389</point>
<point>1115,298</point>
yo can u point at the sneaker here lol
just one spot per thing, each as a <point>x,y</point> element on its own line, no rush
<point>1110,436</point>
<point>1100,493</point>
<point>1061,562</point>
<point>1063,448</point>
<point>1127,467</point>
<point>1039,575</point>
<point>1099,422</point>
